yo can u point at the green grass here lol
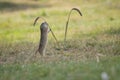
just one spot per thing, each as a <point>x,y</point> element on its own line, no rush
<point>62,70</point>
<point>92,47</point>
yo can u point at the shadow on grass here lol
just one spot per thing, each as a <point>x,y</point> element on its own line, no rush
<point>11,6</point>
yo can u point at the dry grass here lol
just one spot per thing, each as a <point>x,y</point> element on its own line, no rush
<point>93,40</point>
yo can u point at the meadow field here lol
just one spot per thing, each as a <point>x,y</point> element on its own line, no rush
<point>92,47</point>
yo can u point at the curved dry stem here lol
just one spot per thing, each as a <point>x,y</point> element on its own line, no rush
<point>68,21</point>
<point>48,26</point>
<point>77,11</point>
<point>37,19</point>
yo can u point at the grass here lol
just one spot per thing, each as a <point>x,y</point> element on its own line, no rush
<point>92,47</point>
<point>62,70</point>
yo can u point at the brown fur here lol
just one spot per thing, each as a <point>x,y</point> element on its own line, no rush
<point>43,39</point>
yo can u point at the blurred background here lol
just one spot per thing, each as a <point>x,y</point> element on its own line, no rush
<point>96,31</point>
<point>92,46</point>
